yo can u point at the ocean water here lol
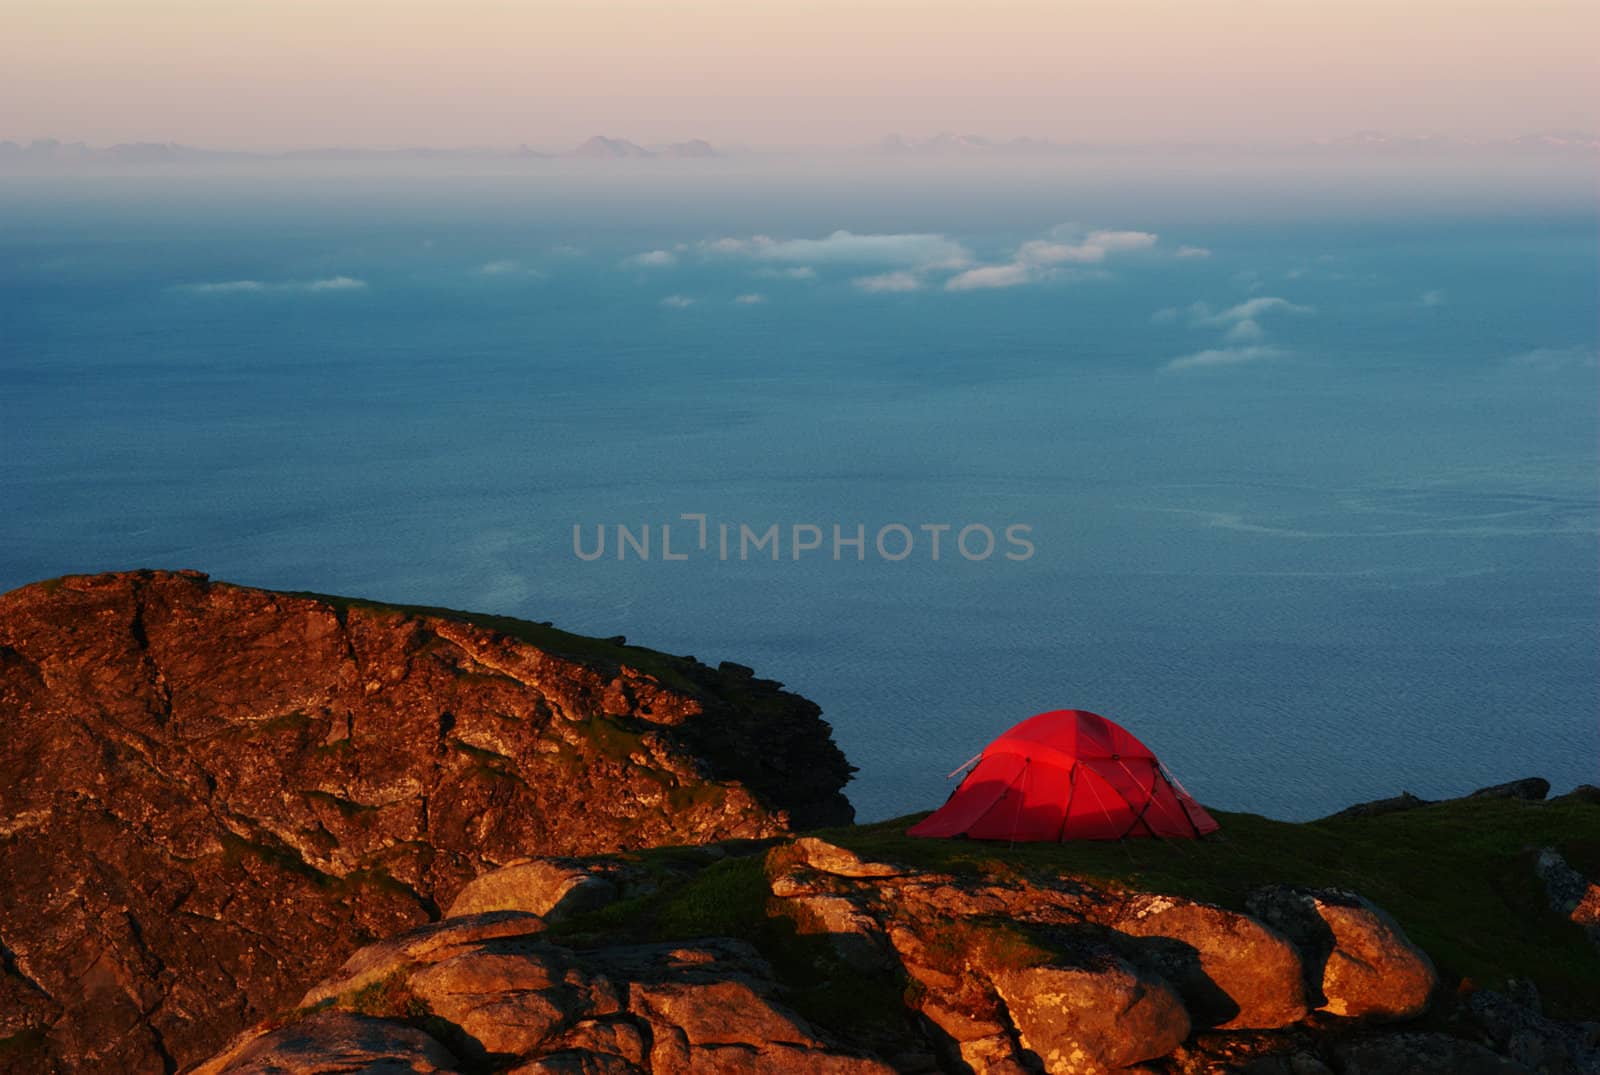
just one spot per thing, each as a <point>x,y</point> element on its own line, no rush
<point>1347,551</point>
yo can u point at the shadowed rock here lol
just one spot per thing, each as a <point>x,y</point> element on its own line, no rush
<point>520,1003</point>
<point>334,1043</point>
<point>1533,789</point>
<point>1378,807</point>
<point>1234,972</point>
<point>1359,963</point>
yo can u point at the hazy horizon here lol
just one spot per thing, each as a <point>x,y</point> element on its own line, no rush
<point>258,76</point>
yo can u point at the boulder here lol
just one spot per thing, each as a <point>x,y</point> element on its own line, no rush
<point>1569,894</point>
<point>1516,1025</point>
<point>1234,972</point>
<point>854,935</point>
<point>1532,789</point>
<point>513,995</point>
<point>993,1055</point>
<point>1378,807</point>
<point>419,946</point>
<point>518,1002</point>
<point>1359,962</point>
<point>335,1043</point>
<point>833,859</point>
<point>1097,1015</point>
<point>1583,793</point>
<point>550,888</point>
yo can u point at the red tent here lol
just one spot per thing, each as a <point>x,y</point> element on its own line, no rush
<point>1067,775</point>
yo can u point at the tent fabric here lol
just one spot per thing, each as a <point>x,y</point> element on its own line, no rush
<point>1067,775</point>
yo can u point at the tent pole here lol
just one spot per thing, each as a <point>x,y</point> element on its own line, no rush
<point>1066,811</point>
<point>1017,815</point>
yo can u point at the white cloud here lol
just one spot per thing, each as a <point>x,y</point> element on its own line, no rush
<point>653,259</point>
<point>752,299</point>
<point>889,282</point>
<point>1166,315</point>
<point>1246,331</point>
<point>1193,252</point>
<point>1122,240</point>
<point>1225,356</point>
<point>1037,259</point>
<point>1045,252</point>
<point>507,267</point>
<point>991,276</point>
<point>1436,297</point>
<point>677,302</point>
<point>337,283</point>
<point>911,250</point>
<point>235,287</point>
<point>224,287</point>
<point>1092,248</point>
<point>1249,310</point>
<point>794,272</point>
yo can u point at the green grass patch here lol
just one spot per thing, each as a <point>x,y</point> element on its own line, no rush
<point>389,997</point>
<point>956,944</point>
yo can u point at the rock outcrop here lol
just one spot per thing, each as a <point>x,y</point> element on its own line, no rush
<point>493,991</point>
<point>1360,963</point>
<point>210,795</point>
<point>1003,972</point>
<point>1528,789</point>
<point>1570,894</point>
<point>1235,972</point>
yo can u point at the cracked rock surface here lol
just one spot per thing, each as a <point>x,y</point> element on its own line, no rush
<point>210,795</point>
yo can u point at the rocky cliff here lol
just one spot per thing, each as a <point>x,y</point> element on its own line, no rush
<point>211,795</point>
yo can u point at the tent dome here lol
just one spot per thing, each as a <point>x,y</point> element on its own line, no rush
<point>1067,775</point>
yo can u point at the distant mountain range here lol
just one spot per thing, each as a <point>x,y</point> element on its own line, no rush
<point>603,148</point>
<point>51,153</point>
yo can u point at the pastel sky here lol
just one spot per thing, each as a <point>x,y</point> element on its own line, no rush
<point>280,73</point>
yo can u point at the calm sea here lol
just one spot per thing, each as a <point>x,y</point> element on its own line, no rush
<point>1327,546</point>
